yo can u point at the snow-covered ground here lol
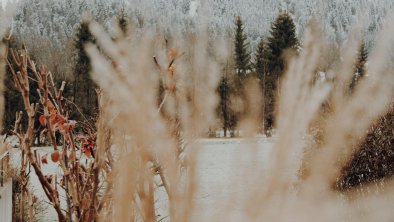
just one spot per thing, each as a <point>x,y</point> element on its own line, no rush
<point>226,168</point>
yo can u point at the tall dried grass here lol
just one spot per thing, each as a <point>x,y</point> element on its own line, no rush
<point>154,146</point>
<point>297,185</point>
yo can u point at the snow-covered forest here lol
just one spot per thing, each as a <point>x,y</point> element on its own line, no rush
<point>57,20</point>
<point>196,110</point>
<point>53,23</point>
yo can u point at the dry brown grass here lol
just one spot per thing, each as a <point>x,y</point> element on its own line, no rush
<point>143,138</point>
<point>148,142</point>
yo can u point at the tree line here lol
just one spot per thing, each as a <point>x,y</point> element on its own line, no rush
<point>267,66</point>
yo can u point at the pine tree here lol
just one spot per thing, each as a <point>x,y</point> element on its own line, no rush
<point>242,55</point>
<point>260,60</point>
<point>282,39</point>
<point>359,69</point>
<point>242,66</point>
<point>225,91</point>
<point>260,67</point>
<point>85,96</point>
<point>224,106</point>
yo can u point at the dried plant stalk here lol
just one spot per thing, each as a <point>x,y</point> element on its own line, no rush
<point>143,147</point>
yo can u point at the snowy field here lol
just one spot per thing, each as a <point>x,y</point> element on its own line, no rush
<point>226,168</point>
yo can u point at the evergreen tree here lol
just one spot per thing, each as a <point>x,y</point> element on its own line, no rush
<point>359,69</point>
<point>12,99</point>
<point>260,60</point>
<point>85,96</point>
<point>260,67</point>
<point>225,112</point>
<point>242,65</point>
<point>242,55</point>
<point>282,39</point>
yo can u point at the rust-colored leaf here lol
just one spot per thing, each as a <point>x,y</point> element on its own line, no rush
<point>42,120</point>
<point>86,150</point>
<point>55,156</point>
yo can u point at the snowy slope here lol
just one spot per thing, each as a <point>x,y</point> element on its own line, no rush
<point>57,19</point>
